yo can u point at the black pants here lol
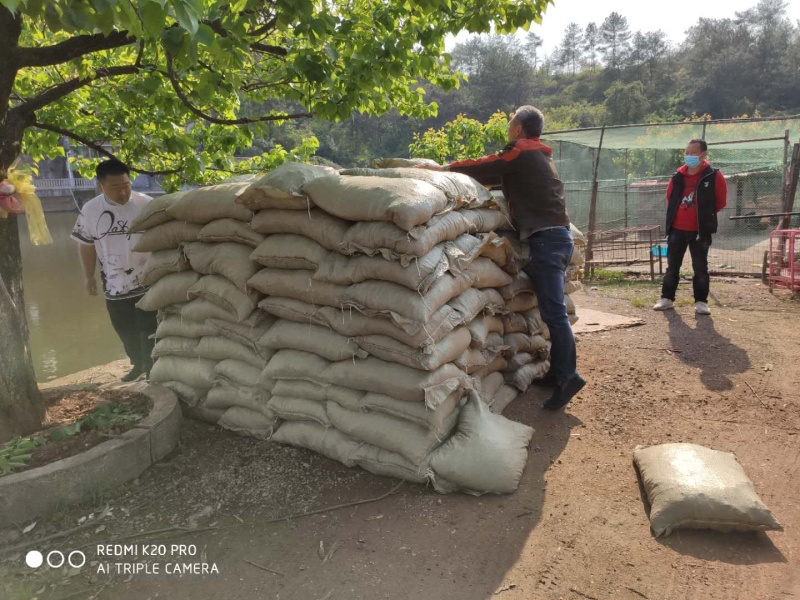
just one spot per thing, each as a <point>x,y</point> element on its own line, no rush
<point>677,242</point>
<point>134,327</point>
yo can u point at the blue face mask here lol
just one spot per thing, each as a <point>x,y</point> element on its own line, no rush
<point>691,161</point>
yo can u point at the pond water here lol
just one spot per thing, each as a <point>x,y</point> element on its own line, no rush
<point>69,329</point>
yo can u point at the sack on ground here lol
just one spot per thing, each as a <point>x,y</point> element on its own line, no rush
<point>206,204</point>
<point>440,420</point>
<point>250,423</point>
<point>689,486</point>
<point>487,453</point>
<point>226,396</point>
<point>323,440</point>
<point>502,398</point>
<point>389,464</point>
<point>291,408</point>
<point>186,393</point>
<point>522,377</point>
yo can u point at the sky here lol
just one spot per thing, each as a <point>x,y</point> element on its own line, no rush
<point>670,17</point>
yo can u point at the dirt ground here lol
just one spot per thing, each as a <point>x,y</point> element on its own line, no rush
<point>576,529</point>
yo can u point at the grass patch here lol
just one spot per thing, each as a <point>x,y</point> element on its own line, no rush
<point>609,277</point>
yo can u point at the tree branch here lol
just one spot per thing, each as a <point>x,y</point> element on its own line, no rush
<point>63,89</point>
<point>97,147</point>
<point>79,45</point>
<point>199,113</point>
<point>220,30</point>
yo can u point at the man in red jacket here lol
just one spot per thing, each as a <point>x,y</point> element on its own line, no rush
<point>696,193</point>
<point>535,194</point>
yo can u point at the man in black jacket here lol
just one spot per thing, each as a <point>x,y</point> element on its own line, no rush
<point>530,183</point>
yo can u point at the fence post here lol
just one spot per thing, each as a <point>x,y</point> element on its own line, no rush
<point>626,188</point>
<point>791,187</point>
<point>705,119</point>
<point>785,169</point>
<point>593,205</point>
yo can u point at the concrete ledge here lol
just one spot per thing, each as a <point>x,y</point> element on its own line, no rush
<point>35,493</point>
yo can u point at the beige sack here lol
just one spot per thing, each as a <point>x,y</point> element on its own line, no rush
<point>522,302</point>
<point>280,188</point>
<point>473,360</point>
<point>570,287</point>
<point>488,274</point>
<point>292,309</point>
<point>487,454</point>
<point>493,302</point>
<point>487,387</point>
<point>328,231</point>
<point>154,212</point>
<point>244,333</point>
<point>396,435</point>
<point>295,388</point>
<point>520,284</point>
<point>514,323</point>
<point>167,236</point>
<point>220,291</point>
<point>322,440</point>
<point>228,259</point>
<point>175,326</point>
<point>689,486</point>
<point>175,346</point>
<point>389,464</point>
<point>237,373</point>
<point>394,163</point>
<point>225,396</point>
<point>502,398</point>
<point>524,376</point>
<point>311,338</point>
<point>407,203</point>
<point>206,204</point>
<point>163,262</point>
<point>440,420</point>
<point>170,289</point>
<point>196,372</point>
<point>480,328</point>
<point>230,230</point>
<point>222,348</point>
<point>523,342</point>
<point>199,310</point>
<point>201,413</point>
<point>289,251</point>
<point>296,364</point>
<point>246,422</point>
<point>391,350</point>
<point>299,409</point>
<point>186,393</point>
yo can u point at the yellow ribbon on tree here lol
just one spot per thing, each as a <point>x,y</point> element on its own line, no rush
<point>25,193</point>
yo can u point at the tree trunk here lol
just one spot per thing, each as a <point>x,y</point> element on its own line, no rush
<point>21,405</point>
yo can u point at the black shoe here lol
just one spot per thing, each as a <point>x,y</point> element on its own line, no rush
<point>133,374</point>
<point>547,380</point>
<point>564,393</point>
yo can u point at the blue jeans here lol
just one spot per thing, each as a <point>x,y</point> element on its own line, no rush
<point>551,251</point>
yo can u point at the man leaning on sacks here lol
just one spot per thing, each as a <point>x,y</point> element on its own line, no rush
<point>527,174</point>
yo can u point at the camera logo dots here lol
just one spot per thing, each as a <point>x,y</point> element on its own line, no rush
<point>55,559</point>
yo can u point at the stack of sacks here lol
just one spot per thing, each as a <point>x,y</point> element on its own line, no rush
<point>388,308</point>
<point>207,348</point>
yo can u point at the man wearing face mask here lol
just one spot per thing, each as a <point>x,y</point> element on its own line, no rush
<point>528,176</point>
<point>696,193</point>
<point>102,232</point>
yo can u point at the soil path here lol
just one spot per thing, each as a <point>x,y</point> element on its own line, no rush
<point>576,528</point>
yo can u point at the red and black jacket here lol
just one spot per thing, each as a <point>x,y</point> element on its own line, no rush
<point>528,176</point>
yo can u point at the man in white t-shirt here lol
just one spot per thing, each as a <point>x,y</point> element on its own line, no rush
<point>102,230</point>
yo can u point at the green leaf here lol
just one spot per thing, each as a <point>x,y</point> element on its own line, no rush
<point>154,17</point>
<point>205,35</point>
<point>186,15</point>
<point>66,431</point>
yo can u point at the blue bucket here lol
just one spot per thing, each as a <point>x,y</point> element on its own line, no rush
<point>659,250</point>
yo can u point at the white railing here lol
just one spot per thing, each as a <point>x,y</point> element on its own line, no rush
<point>78,183</point>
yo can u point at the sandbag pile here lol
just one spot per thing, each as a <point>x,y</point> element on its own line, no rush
<point>374,316</point>
<point>209,325</point>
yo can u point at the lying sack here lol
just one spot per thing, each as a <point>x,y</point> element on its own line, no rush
<point>577,236</point>
<point>189,395</point>
<point>175,346</point>
<point>311,338</point>
<point>289,251</point>
<point>295,388</point>
<point>488,387</point>
<point>206,204</point>
<point>225,396</point>
<point>493,303</point>
<point>170,289</point>
<point>237,373</point>
<point>480,328</point>
<point>570,303</point>
<point>220,291</point>
<point>522,302</point>
<point>391,350</point>
<point>200,310</point>
<point>394,243</point>
<point>323,440</point>
<point>328,231</point>
<point>576,260</point>
<point>175,326</point>
<point>291,309</point>
<point>514,322</point>
<point>196,372</point>
<point>502,398</point>
<point>458,186</point>
<point>487,453</point>
<point>389,464</point>
<point>230,230</point>
<point>473,360</point>
<point>440,420</point>
<point>570,287</point>
<point>689,486</point>
<point>247,422</point>
<point>519,360</point>
<point>524,376</point>
<point>299,409</point>
<point>393,163</point>
<point>296,364</point>
<point>498,364</point>
<point>163,262</point>
<point>396,435</point>
<point>246,334</point>
<point>221,348</point>
<point>280,188</point>
<point>521,283</point>
<point>533,320</point>
<point>167,236</point>
<point>154,212</point>
<point>201,413</point>
<point>523,342</point>
<point>228,259</point>
<point>488,274</point>
<point>405,202</point>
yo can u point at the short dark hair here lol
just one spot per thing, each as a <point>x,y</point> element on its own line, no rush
<point>111,167</point>
<point>701,143</point>
<point>531,119</point>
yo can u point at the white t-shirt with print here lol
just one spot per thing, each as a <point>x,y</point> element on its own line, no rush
<point>105,224</point>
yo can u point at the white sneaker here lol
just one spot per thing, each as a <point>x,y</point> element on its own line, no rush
<point>701,308</point>
<point>664,304</point>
